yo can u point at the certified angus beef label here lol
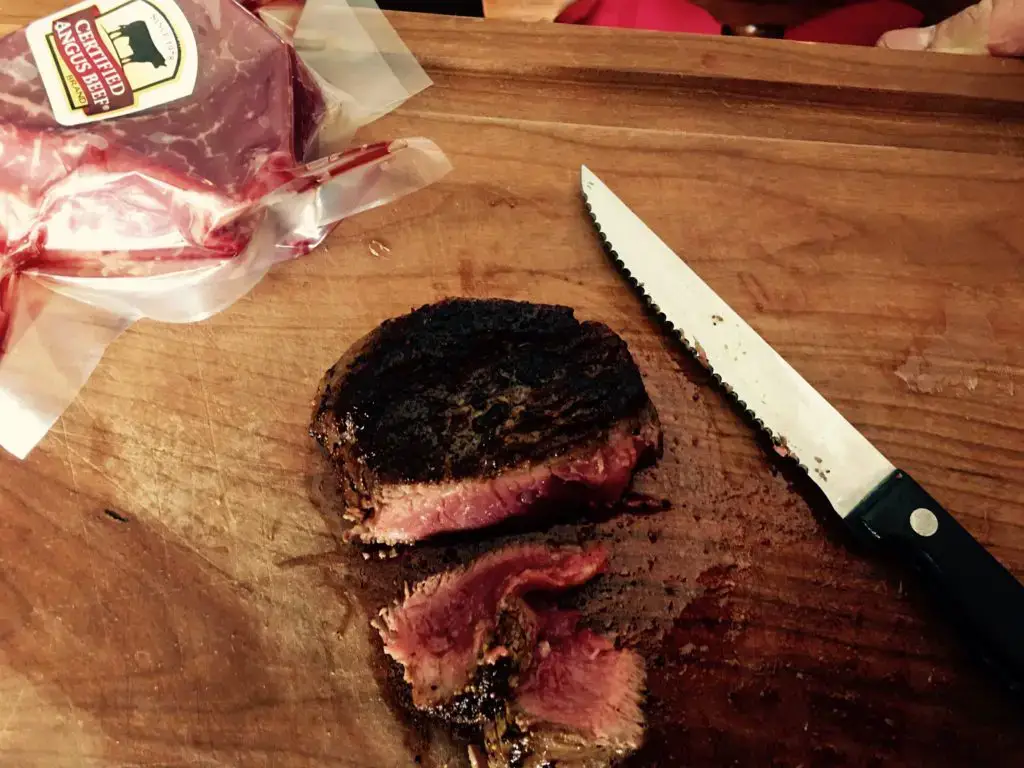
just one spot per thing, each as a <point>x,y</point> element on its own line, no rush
<point>101,59</point>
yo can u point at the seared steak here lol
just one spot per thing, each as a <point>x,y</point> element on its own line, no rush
<point>466,413</point>
<point>539,689</point>
<point>577,705</point>
<point>456,622</point>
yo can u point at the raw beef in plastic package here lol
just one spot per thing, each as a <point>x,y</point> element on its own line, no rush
<point>157,157</point>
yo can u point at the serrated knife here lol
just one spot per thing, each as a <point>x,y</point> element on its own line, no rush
<point>878,502</point>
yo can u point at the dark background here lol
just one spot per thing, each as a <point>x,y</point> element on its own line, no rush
<point>454,7</point>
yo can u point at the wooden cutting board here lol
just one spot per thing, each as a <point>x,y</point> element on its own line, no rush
<point>172,591</point>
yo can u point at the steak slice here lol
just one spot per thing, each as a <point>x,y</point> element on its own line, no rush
<point>539,689</point>
<point>458,622</point>
<point>577,705</point>
<point>469,412</point>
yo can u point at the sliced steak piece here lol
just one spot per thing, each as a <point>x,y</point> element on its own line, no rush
<point>577,705</point>
<point>537,687</point>
<point>469,412</point>
<point>458,622</point>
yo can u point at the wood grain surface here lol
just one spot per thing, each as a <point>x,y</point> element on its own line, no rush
<point>525,10</point>
<point>172,591</point>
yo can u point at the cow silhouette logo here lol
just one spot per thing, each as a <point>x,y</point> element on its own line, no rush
<point>102,59</point>
<point>140,41</point>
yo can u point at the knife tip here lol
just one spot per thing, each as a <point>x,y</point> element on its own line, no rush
<point>587,177</point>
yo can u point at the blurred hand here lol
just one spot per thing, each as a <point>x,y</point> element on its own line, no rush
<point>991,27</point>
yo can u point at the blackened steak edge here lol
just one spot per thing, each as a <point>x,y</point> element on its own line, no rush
<point>469,387</point>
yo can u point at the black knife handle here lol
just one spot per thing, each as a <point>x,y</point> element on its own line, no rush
<point>983,596</point>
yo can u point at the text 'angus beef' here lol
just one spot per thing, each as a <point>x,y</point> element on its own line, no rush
<point>476,651</point>
<point>469,412</point>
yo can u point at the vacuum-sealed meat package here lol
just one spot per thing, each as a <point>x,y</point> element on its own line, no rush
<point>159,156</point>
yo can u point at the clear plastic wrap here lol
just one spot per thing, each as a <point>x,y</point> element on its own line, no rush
<point>118,207</point>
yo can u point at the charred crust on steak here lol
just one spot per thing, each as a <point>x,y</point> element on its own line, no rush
<point>470,387</point>
<point>504,740</point>
<point>484,699</point>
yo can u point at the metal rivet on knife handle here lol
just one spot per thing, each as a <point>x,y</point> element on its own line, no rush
<point>924,522</point>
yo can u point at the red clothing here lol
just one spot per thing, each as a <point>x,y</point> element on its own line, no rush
<point>858,24</point>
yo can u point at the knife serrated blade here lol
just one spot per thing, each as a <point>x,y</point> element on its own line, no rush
<point>877,501</point>
<point>802,423</point>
